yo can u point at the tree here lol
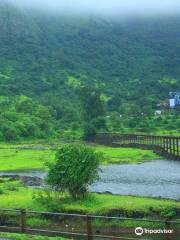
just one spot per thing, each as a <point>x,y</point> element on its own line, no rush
<point>25,104</point>
<point>75,168</point>
<point>92,104</point>
<point>90,131</point>
<point>92,109</point>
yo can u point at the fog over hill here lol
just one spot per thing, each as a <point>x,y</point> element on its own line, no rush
<point>47,57</point>
<point>114,8</point>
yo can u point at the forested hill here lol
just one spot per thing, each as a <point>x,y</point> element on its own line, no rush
<point>46,57</point>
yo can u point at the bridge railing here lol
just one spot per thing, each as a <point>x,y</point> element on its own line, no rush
<point>168,146</point>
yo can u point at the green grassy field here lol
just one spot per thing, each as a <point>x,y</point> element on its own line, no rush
<point>15,236</point>
<point>109,204</point>
<point>14,195</point>
<point>126,155</point>
<point>12,159</point>
<point>18,157</point>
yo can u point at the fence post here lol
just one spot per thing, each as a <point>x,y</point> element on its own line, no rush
<point>167,226</point>
<point>23,220</point>
<point>89,228</point>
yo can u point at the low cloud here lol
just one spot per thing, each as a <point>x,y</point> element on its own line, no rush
<point>106,7</point>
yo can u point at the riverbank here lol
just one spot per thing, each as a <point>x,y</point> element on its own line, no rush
<point>124,179</point>
<point>15,195</point>
<point>33,156</point>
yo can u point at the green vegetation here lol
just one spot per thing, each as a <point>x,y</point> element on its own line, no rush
<point>20,199</point>
<point>126,205</point>
<point>124,224</point>
<point>27,156</point>
<point>38,221</point>
<point>64,78</point>
<point>93,110</point>
<point>75,168</point>
<point>7,186</point>
<point>12,158</point>
<point>127,224</point>
<point>15,236</point>
<point>42,75</point>
<point>100,204</point>
<point>126,155</point>
<point>23,118</point>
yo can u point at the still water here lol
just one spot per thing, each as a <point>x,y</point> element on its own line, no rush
<point>160,178</point>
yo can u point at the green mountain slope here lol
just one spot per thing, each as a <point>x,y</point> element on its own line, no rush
<point>47,57</point>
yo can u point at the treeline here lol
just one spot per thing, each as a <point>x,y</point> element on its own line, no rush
<point>166,123</point>
<point>48,58</point>
<point>23,118</point>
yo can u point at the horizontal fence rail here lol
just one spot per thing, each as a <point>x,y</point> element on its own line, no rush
<point>166,146</point>
<point>24,215</point>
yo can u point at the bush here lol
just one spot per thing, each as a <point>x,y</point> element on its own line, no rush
<point>38,222</point>
<point>12,185</point>
<point>75,168</point>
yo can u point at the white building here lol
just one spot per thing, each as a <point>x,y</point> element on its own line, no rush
<point>172,103</point>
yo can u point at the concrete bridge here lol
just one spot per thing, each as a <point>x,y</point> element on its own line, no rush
<point>166,146</point>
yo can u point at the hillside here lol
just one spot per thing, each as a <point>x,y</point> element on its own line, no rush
<point>45,58</point>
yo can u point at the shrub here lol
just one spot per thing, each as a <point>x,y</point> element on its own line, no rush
<point>76,167</point>
<point>12,185</point>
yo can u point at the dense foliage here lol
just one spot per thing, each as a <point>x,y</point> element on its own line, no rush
<point>75,168</point>
<point>21,117</point>
<point>51,58</point>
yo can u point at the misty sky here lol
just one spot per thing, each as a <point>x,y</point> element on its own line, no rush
<point>107,7</point>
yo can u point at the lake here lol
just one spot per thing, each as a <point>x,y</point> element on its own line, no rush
<point>158,178</point>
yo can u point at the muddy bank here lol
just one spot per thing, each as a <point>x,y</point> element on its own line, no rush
<point>26,180</point>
